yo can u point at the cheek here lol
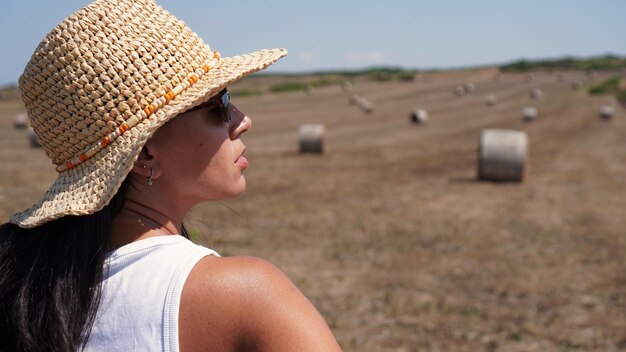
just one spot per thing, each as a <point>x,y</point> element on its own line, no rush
<point>203,147</point>
<point>219,162</point>
<point>188,158</point>
<point>220,179</point>
<point>201,164</point>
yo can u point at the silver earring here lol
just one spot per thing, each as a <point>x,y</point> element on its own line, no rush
<point>150,178</point>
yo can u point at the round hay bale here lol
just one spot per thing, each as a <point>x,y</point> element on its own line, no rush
<point>607,112</point>
<point>459,91</point>
<point>577,85</point>
<point>469,87</point>
<point>20,121</point>
<point>365,105</point>
<point>312,138</point>
<point>502,155</point>
<point>536,93</point>
<point>419,116</point>
<point>529,77</point>
<point>491,100</point>
<point>309,89</point>
<point>529,114</point>
<point>32,138</point>
<point>346,86</point>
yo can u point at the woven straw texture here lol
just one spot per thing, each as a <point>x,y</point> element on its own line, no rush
<point>99,85</point>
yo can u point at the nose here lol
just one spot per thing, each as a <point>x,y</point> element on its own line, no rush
<point>240,123</point>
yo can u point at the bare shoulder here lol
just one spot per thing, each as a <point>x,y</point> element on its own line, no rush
<point>238,272</point>
<point>248,303</point>
<point>239,279</point>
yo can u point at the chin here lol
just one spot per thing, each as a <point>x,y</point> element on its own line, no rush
<point>236,191</point>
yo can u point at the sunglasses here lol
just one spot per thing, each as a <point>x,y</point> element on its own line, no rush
<point>221,100</point>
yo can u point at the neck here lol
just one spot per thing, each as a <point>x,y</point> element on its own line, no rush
<point>138,221</point>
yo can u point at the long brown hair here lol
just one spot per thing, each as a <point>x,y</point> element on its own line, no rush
<point>50,279</point>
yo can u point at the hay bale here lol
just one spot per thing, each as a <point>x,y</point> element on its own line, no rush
<point>577,85</point>
<point>529,114</point>
<point>469,87</point>
<point>607,112</point>
<point>502,155</point>
<point>32,138</point>
<point>491,100</point>
<point>536,93</point>
<point>365,105</point>
<point>346,86</point>
<point>529,77</point>
<point>419,116</point>
<point>362,102</point>
<point>459,91</point>
<point>20,121</point>
<point>312,138</point>
<point>309,89</point>
<point>418,77</point>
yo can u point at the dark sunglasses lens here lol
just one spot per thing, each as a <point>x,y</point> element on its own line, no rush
<point>225,98</point>
<point>225,106</point>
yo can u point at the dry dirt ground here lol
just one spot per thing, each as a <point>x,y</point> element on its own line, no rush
<point>390,234</point>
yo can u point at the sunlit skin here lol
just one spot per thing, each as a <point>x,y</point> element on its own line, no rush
<point>193,158</point>
<point>235,303</point>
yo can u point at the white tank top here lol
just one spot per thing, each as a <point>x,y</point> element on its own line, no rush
<point>141,291</point>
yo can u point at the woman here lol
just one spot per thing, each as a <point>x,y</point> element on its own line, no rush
<point>132,108</point>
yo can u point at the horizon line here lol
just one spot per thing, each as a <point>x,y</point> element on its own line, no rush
<point>415,69</point>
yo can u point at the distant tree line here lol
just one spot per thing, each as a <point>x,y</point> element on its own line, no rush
<point>602,63</point>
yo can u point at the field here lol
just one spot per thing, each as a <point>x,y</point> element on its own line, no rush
<point>389,232</point>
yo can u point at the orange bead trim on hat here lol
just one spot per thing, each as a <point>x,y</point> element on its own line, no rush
<point>140,116</point>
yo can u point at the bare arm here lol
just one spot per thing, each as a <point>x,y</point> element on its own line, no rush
<point>245,303</point>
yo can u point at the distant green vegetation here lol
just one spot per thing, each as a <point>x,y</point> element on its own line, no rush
<point>406,76</point>
<point>377,74</point>
<point>343,73</point>
<point>381,74</point>
<point>621,96</point>
<point>292,86</point>
<point>609,86</point>
<point>602,63</point>
<point>288,87</point>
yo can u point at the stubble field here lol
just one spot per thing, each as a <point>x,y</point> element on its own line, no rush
<point>390,234</point>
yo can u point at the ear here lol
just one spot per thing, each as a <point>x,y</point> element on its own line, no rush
<point>146,165</point>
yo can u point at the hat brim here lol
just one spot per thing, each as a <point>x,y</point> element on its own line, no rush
<point>89,186</point>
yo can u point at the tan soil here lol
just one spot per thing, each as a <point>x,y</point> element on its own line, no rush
<point>390,234</point>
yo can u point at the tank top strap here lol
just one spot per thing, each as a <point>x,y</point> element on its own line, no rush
<point>174,293</point>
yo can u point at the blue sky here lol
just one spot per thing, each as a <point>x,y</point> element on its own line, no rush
<point>347,34</point>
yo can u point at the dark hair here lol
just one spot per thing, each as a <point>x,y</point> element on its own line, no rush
<point>50,279</point>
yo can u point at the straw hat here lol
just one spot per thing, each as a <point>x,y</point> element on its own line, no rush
<point>99,85</point>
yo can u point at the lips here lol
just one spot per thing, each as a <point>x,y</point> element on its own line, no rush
<point>241,160</point>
